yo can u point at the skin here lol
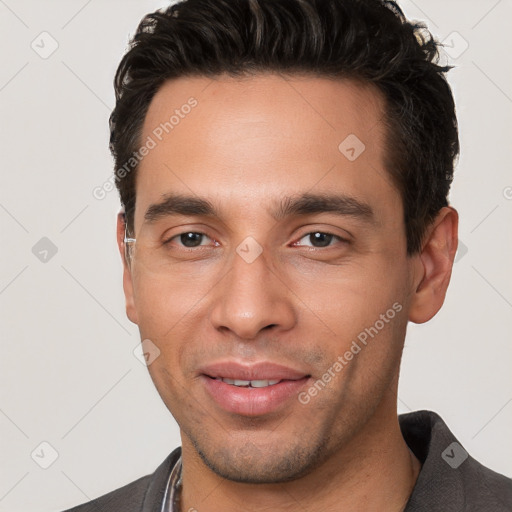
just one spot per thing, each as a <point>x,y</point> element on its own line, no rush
<point>248,143</point>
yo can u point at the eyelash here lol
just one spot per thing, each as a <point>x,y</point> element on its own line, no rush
<point>337,237</point>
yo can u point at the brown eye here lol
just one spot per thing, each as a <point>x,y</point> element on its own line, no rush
<point>189,239</point>
<point>318,239</point>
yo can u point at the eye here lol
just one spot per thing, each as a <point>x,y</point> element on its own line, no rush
<point>319,239</point>
<point>189,239</point>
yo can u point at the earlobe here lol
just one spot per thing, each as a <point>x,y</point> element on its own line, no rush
<point>435,262</point>
<point>131,311</point>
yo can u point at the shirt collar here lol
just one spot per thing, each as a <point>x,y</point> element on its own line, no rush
<point>172,496</point>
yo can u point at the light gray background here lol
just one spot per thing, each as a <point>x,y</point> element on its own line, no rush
<point>68,373</point>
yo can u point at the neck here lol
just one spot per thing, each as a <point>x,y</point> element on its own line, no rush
<point>374,471</point>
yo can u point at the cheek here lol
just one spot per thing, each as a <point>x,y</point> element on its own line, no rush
<point>164,304</point>
<point>169,315</point>
<point>348,297</point>
<point>357,313</point>
<point>164,373</point>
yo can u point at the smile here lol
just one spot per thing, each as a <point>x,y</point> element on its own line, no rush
<point>249,383</point>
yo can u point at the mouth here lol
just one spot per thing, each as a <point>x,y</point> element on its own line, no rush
<point>248,383</point>
<point>252,390</point>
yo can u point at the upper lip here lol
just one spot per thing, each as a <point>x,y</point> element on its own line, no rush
<point>264,370</point>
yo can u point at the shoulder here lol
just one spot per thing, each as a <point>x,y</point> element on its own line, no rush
<point>145,493</point>
<point>127,498</point>
<point>450,479</point>
<point>485,488</point>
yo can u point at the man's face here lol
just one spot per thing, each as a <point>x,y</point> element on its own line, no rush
<point>325,284</point>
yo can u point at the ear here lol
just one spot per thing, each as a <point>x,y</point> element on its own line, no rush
<point>434,266</point>
<point>131,311</point>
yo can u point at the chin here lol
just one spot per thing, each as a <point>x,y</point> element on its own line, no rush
<point>253,464</point>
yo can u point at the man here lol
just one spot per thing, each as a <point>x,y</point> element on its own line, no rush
<point>284,169</point>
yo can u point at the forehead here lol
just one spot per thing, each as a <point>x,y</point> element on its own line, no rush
<point>272,105</point>
<point>255,139</point>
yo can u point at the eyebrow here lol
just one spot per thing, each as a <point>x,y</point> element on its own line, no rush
<point>305,204</point>
<point>173,204</point>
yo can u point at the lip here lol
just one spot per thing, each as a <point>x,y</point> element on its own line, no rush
<point>252,401</point>
<point>263,370</point>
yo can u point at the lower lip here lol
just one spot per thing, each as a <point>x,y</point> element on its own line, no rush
<point>252,401</point>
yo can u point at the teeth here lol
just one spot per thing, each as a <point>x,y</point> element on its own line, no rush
<point>263,383</point>
<point>250,383</point>
<point>241,382</point>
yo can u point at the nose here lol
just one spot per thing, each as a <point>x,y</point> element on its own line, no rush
<point>252,297</point>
